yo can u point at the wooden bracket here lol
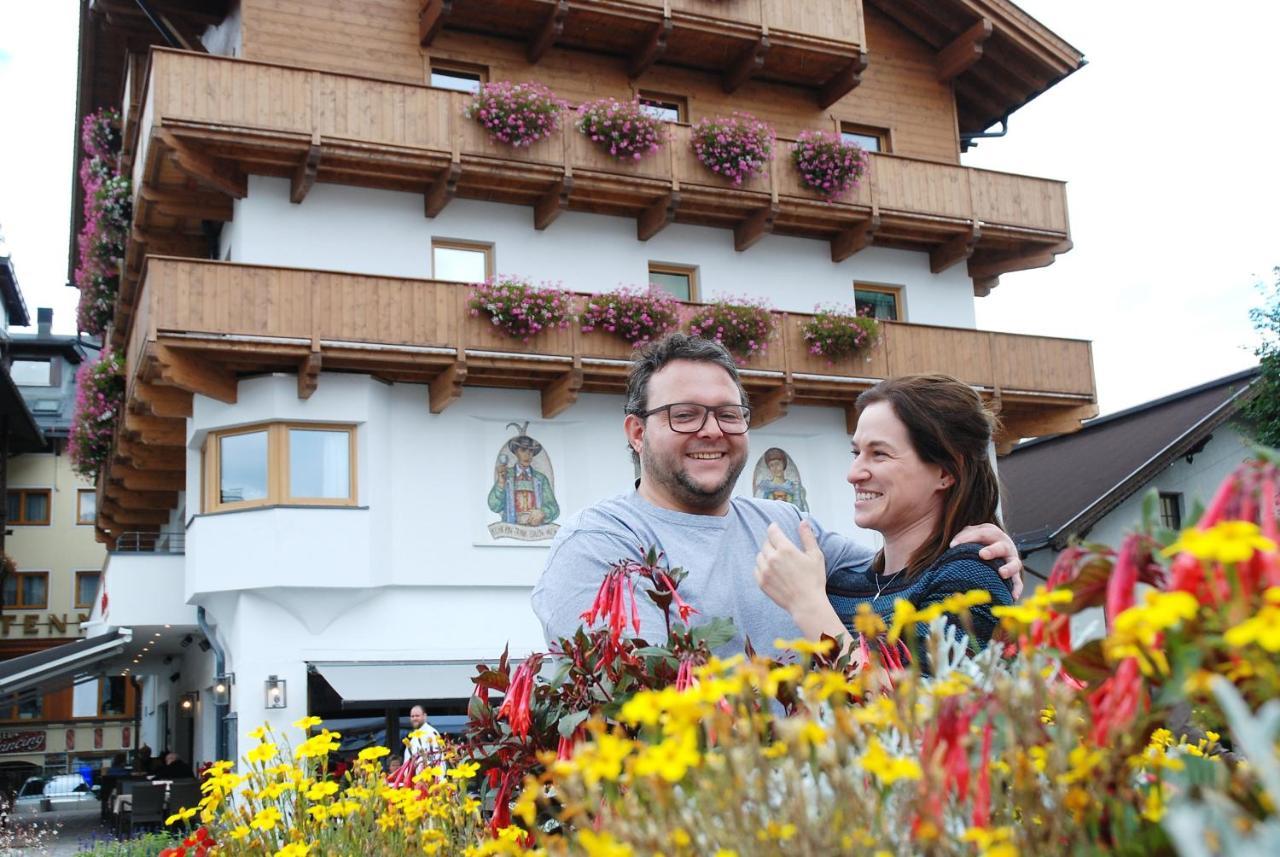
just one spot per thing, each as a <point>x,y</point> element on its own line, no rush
<point>144,457</point>
<point>964,51</point>
<point>309,372</point>
<point>652,49</point>
<point>773,405</point>
<point>757,225</point>
<point>987,270</point>
<point>160,401</point>
<point>120,515</point>
<point>181,370</point>
<point>447,386</point>
<point>149,480</point>
<point>431,18</point>
<point>153,431</point>
<point>200,205</point>
<point>304,175</point>
<point>854,239</point>
<point>443,189</point>
<point>551,203</point>
<point>843,82</point>
<point>211,172</point>
<point>748,63</point>
<point>551,30</point>
<point>657,215</point>
<point>957,250</point>
<point>562,392</point>
<point>144,501</point>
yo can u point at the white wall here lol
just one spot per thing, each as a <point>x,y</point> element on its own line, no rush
<point>385,232</point>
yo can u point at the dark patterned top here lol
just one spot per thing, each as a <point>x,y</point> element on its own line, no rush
<point>958,570</point>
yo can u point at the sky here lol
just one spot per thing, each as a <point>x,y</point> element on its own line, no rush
<point>1166,138</point>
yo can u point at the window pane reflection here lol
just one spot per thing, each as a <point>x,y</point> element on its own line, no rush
<point>243,459</point>
<point>319,464</point>
<point>460,265</point>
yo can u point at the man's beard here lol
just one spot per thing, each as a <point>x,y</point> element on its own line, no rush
<point>683,489</point>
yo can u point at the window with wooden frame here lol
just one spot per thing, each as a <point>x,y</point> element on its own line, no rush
<point>458,76</point>
<point>29,507</point>
<point>86,588</point>
<point>879,301</point>
<point>660,105</point>
<point>868,137</point>
<point>86,506</point>
<point>30,708</point>
<point>27,590</point>
<point>275,464</point>
<point>679,280</point>
<point>461,261</point>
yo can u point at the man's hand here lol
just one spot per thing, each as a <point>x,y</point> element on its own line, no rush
<point>998,547</point>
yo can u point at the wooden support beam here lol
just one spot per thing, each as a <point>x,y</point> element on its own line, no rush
<point>551,203</point>
<point>143,457</point>
<point>149,480</point>
<point>137,517</point>
<point>745,65</point>
<point>987,270</point>
<point>211,172</point>
<point>957,250</point>
<point>197,205</point>
<point>772,405</point>
<point>160,401</point>
<point>443,189</point>
<point>842,82</point>
<point>561,393</point>
<point>658,215</point>
<point>1044,421</point>
<point>964,51</point>
<point>309,372</point>
<point>446,387</point>
<point>757,225</point>
<point>145,501</point>
<point>193,374</point>
<point>304,175</point>
<point>857,237</point>
<point>652,49</point>
<point>154,431</point>
<point>850,417</point>
<point>551,30</point>
<point>431,18</point>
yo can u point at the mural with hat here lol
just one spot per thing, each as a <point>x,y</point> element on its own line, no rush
<point>523,491</point>
<point>776,477</point>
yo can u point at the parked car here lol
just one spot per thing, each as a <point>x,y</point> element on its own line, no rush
<point>62,791</point>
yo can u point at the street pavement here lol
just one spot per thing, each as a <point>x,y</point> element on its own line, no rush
<point>62,833</point>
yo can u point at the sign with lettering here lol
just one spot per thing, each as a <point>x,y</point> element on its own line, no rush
<point>32,625</point>
<point>22,742</point>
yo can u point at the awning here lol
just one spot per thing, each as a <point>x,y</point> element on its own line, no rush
<point>397,684</point>
<point>63,663</point>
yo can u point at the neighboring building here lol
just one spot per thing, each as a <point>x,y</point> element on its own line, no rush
<point>1090,486</point>
<point>312,408</point>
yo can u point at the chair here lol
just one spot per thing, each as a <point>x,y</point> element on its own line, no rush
<point>183,794</point>
<point>148,806</point>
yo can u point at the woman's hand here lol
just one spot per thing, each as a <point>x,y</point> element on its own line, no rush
<point>998,547</point>
<point>794,577</point>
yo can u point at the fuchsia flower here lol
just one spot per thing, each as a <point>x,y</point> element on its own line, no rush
<point>516,707</point>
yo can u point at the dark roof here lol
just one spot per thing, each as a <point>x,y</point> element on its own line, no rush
<point>74,348</point>
<point>1060,486</point>
<point>12,295</point>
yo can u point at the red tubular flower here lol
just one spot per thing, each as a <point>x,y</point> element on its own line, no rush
<point>1115,703</point>
<point>516,707</point>
<point>1218,506</point>
<point>684,676</point>
<point>611,604</point>
<point>982,791</point>
<point>1270,525</point>
<point>502,802</point>
<point>1124,577</point>
<point>684,608</point>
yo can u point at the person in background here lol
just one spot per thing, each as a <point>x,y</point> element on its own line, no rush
<point>174,768</point>
<point>424,747</point>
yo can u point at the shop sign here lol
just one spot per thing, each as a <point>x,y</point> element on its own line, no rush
<point>22,742</point>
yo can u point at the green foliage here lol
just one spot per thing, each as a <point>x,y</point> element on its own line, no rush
<point>1263,409</point>
<point>148,845</point>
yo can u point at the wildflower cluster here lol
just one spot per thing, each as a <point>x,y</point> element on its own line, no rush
<point>737,146</point>
<point>827,164</point>
<point>839,331</point>
<point>637,315</point>
<point>520,308</point>
<point>743,325</point>
<point>107,213</point>
<point>621,128</point>
<point>518,114</point>
<point>99,395</point>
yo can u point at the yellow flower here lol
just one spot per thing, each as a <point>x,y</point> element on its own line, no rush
<point>526,806</point>
<point>602,844</point>
<point>294,849</point>
<point>239,832</point>
<point>774,832</point>
<point>320,791</point>
<point>319,812</point>
<point>806,647</point>
<point>180,815</point>
<point>318,746</point>
<point>306,723</point>
<point>1048,715</point>
<point>823,684</point>
<point>264,752</point>
<point>1263,628</point>
<point>370,754</point>
<point>266,819</point>
<point>1083,761</point>
<point>671,759</point>
<point>1037,608</point>
<point>954,684</point>
<point>680,838</point>
<point>1225,542</point>
<point>602,759</point>
<point>259,733</point>
<point>886,768</point>
<point>904,616</point>
<point>867,622</point>
<point>1137,630</point>
<point>463,771</point>
<point>992,843</point>
<point>773,751</point>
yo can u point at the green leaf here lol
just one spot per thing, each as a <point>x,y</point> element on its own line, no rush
<point>715,633</point>
<point>570,722</point>
<point>1088,663</point>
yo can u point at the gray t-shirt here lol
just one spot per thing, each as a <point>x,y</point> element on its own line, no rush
<point>718,553</point>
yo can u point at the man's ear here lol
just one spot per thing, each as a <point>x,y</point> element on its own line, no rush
<point>634,428</point>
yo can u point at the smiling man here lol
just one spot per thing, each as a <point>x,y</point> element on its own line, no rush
<point>686,423</point>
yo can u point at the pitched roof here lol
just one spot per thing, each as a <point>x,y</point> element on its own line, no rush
<point>1061,485</point>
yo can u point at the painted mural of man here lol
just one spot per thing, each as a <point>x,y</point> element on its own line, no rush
<point>777,485</point>
<point>522,494</point>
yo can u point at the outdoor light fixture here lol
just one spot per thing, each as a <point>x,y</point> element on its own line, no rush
<point>187,640</point>
<point>187,703</point>
<point>205,646</point>
<point>221,690</point>
<point>275,695</point>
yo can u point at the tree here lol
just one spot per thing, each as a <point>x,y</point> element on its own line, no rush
<point>1264,407</point>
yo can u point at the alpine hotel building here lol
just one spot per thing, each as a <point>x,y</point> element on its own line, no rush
<point>309,474</point>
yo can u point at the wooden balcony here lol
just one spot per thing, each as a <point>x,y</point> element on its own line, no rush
<point>201,324</point>
<point>815,44</point>
<point>202,123</point>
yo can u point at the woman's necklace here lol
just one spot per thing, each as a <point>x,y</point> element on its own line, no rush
<point>880,586</point>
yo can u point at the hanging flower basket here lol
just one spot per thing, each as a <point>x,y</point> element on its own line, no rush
<point>632,313</point>
<point>99,396</point>
<point>840,331</point>
<point>736,147</point>
<point>742,325</point>
<point>108,212</point>
<point>518,114</point>
<point>621,128</point>
<point>519,308</point>
<point>827,164</point>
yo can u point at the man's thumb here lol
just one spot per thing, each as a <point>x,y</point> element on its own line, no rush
<point>808,542</point>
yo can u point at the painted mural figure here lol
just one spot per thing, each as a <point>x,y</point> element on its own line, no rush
<point>776,478</point>
<point>522,492</point>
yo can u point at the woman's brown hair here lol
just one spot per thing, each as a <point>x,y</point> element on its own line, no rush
<point>949,426</point>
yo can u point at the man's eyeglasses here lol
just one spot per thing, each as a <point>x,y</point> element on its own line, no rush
<point>690,417</point>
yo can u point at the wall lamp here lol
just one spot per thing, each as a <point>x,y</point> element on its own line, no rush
<point>275,694</point>
<point>221,690</point>
<point>187,703</point>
